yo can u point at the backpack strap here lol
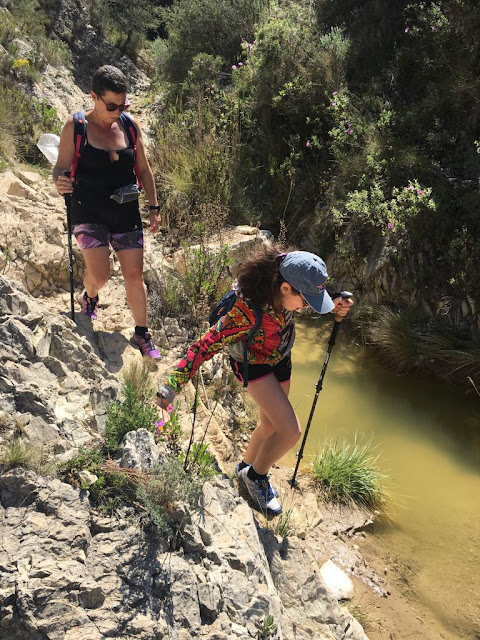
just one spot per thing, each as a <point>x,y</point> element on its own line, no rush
<point>79,135</point>
<point>248,341</point>
<point>131,131</point>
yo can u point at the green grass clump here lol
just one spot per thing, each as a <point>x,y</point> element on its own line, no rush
<point>347,474</point>
<point>20,453</point>
<point>406,340</point>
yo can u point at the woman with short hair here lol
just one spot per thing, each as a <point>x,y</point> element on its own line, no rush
<point>104,205</point>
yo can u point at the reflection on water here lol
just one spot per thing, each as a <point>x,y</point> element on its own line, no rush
<point>429,439</point>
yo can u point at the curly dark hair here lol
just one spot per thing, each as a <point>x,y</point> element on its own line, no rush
<point>259,277</point>
<point>109,78</point>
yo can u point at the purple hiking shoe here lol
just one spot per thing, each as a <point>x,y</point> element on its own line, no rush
<point>146,345</point>
<point>89,306</point>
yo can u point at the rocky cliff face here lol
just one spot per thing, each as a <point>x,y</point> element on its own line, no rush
<point>72,24</point>
<point>67,571</point>
<point>389,276</point>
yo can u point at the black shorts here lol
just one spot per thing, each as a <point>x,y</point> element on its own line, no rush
<point>118,218</point>
<point>282,371</point>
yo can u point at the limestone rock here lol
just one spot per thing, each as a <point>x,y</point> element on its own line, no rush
<point>29,177</point>
<point>337,582</point>
<point>139,451</point>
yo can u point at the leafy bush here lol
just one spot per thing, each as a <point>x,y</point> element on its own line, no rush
<point>215,27</point>
<point>193,293</point>
<point>170,432</point>
<point>132,413</point>
<point>201,462</point>
<point>111,489</point>
<point>347,474</point>
<point>168,485</point>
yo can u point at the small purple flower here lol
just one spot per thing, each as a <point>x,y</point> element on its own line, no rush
<point>390,225</point>
<point>349,131</point>
<point>234,66</point>
<point>420,192</point>
<point>410,188</point>
<point>308,143</point>
<point>170,408</point>
<point>334,93</point>
<point>407,29</point>
<point>240,64</point>
<point>334,104</point>
<point>434,28</point>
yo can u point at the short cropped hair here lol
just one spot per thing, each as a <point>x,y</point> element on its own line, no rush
<point>108,78</point>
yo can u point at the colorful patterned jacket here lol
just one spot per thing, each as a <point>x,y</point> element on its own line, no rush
<point>272,341</point>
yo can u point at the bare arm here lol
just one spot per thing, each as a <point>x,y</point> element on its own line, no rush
<point>65,158</point>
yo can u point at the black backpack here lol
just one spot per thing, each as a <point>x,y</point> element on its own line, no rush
<point>221,309</point>
<point>79,135</point>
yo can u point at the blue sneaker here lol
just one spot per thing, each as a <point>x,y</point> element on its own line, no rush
<point>261,491</point>
<point>237,475</point>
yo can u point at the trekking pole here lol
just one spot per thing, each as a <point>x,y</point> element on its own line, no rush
<point>48,144</point>
<point>68,203</point>
<point>318,388</point>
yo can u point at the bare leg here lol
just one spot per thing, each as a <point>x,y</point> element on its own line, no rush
<point>278,429</point>
<point>131,262</point>
<point>97,262</point>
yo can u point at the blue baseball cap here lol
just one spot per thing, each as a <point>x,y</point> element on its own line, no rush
<point>307,273</point>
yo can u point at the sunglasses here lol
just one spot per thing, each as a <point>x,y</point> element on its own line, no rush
<point>305,303</point>
<point>111,106</point>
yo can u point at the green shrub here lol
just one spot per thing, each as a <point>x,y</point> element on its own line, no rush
<point>137,374</point>
<point>201,462</point>
<point>267,629</point>
<point>132,413</point>
<point>112,488</point>
<point>394,334</point>
<point>22,120</point>
<point>347,474</point>
<point>192,294</point>
<point>214,27</point>
<point>170,433</point>
<point>168,485</point>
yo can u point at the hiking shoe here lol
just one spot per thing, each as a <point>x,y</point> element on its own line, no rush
<point>237,475</point>
<point>89,306</point>
<point>146,345</point>
<point>261,491</point>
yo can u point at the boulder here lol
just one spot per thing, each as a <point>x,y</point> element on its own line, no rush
<point>139,451</point>
<point>337,582</point>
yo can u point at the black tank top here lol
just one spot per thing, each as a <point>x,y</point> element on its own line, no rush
<point>97,175</point>
<point>96,178</point>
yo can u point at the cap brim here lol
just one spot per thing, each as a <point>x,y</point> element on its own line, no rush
<point>321,303</point>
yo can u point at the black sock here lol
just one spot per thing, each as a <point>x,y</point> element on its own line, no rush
<point>140,331</point>
<point>254,475</point>
<point>242,465</point>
